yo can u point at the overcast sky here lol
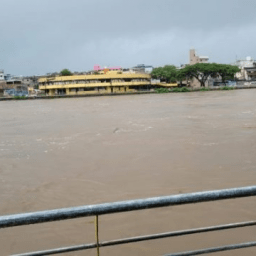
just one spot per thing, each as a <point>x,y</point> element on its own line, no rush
<point>41,36</point>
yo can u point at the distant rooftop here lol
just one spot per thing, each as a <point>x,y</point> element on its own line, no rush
<point>143,66</point>
<point>98,68</point>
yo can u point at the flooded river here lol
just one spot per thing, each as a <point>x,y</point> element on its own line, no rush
<point>70,152</point>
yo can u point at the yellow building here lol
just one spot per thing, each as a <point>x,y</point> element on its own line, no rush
<point>100,82</point>
<point>107,81</point>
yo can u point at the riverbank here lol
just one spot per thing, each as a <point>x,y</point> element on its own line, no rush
<point>188,90</point>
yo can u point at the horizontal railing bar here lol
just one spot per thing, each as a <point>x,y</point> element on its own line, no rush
<point>177,233</point>
<point>142,238</point>
<point>215,249</point>
<point>123,206</point>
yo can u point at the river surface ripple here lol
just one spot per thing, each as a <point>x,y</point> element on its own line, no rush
<point>70,152</point>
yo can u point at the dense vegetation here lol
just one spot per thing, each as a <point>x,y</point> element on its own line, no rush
<point>66,72</point>
<point>162,90</point>
<point>199,71</point>
<point>165,90</point>
<point>168,74</point>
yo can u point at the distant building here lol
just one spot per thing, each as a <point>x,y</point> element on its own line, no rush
<point>248,69</point>
<point>194,58</point>
<point>16,92</point>
<point>107,80</point>
<point>14,81</point>
<point>3,84</point>
<point>16,85</point>
<point>31,81</point>
<point>98,68</point>
<point>143,68</point>
<point>3,87</point>
<point>7,77</point>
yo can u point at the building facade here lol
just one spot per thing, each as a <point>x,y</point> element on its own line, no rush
<point>194,58</point>
<point>248,69</point>
<point>106,81</point>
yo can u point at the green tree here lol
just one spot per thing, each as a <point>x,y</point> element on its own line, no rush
<point>157,73</point>
<point>167,73</point>
<point>181,75</point>
<point>66,72</point>
<point>200,71</point>
<point>226,72</point>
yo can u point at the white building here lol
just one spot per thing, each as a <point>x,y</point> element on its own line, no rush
<point>248,69</point>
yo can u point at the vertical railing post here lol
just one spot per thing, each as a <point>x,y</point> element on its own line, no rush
<point>97,234</point>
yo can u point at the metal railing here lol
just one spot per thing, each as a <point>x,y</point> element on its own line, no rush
<point>133,205</point>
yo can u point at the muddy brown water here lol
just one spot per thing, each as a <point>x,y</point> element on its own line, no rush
<point>70,152</point>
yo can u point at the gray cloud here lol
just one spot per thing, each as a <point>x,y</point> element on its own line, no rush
<point>39,36</point>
